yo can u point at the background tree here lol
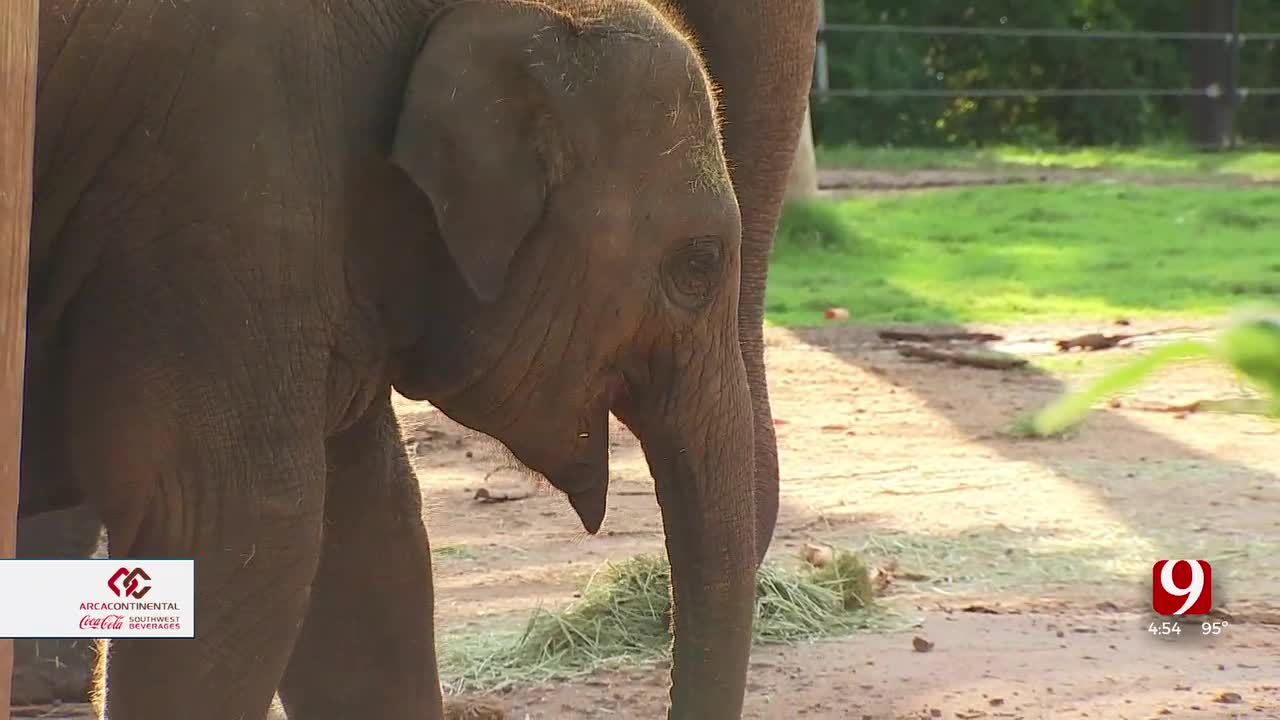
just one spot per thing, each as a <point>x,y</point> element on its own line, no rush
<point>959,62</point>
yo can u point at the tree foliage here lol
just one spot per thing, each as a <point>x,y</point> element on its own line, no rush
<point>891,60</point>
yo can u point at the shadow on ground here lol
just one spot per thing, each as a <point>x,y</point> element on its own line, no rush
<point>1149,482</point>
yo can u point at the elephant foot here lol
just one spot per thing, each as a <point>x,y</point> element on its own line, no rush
<point>52,671</point>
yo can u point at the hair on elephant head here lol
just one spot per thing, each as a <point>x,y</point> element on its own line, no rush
<point>507,99</point>
<point>588,250</point>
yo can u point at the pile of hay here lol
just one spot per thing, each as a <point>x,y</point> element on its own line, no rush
<point>623,617</point>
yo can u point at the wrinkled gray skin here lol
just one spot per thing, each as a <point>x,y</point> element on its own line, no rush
<point>243,329</point>
<point>760,55</point>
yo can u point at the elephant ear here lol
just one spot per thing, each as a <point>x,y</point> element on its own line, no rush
<point>478,135</point>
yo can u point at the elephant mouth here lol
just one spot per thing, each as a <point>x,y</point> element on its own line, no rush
<point>570,450</point>
<point>585,479</point>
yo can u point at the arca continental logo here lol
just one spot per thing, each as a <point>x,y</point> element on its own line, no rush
<point>129,583</point>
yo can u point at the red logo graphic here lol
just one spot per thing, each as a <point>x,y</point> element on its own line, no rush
<point>1182,587</point>
<point>133,587</point>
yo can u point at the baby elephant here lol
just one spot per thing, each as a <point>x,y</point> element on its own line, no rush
<point>254,219</point>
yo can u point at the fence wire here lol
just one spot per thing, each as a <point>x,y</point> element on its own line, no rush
<point>1082,34</point>
<point>1229,39</point>
<point>1045,93</point>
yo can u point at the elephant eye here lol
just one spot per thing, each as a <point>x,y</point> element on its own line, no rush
<point>693,272</point>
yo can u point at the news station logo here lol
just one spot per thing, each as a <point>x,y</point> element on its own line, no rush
<point>1182,587</point>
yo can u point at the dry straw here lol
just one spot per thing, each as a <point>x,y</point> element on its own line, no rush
<point>623,618</point>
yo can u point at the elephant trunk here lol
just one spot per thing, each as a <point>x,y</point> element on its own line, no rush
<point>699,449</point>
<point>764,94</point>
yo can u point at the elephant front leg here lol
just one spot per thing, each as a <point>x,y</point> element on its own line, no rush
<point>367,649</point>
<point>254,532</point>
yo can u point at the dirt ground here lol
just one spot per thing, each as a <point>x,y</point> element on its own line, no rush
<point>1027,563</point>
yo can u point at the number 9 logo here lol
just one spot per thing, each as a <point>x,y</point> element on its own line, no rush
<point>1182,587</point>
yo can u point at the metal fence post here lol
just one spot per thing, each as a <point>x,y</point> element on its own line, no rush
<point>1213,71</point>
<point>821,76</point>
<point>1233,97</point>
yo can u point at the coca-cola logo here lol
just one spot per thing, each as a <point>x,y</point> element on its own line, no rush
<point>102,622</point>
<point>132,583</point>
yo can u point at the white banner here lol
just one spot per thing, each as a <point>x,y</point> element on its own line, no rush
<point>99,598</point>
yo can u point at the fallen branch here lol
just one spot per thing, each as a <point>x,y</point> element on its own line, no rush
<point>911,336</point>
<point>1238,406</point>
<point>985,360</point>
<point>1100,341</point>
<point>1093,341</point>
<point>1182,409</point>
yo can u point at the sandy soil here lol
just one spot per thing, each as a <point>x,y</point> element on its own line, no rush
<point>1026,562</point>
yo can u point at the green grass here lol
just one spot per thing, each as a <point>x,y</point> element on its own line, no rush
<point>1015,253</point>
<point>1167,159</point>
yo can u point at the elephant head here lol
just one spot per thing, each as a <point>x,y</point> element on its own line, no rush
<point>586,258</point>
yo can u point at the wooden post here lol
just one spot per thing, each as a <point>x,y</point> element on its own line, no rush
<point>19,24</point>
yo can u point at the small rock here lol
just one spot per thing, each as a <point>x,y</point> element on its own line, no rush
<point>920,644</point>
<point>1229,698</point>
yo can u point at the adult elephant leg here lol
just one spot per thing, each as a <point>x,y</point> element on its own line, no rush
<point>368,647</point>
<point>760,53</point>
